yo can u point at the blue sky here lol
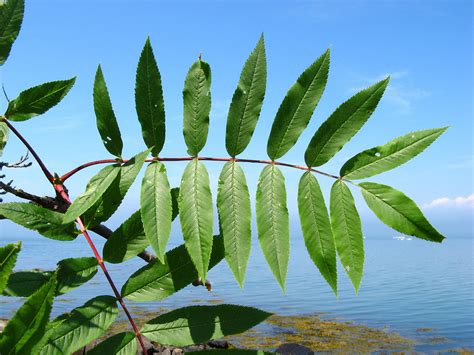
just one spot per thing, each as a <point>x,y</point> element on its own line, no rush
<point>426,46</point>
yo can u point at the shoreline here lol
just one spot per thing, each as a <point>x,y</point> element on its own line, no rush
<point>305,334</point>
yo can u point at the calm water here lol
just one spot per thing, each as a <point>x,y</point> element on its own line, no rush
<point>407,285</point>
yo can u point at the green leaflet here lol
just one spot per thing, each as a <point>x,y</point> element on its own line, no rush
<point>347,232</point>
<point>118,344</point>
<point>233,204</point>
<point>24,332</point>
<point>388,156</point>
<point>106,121</point>
<point>247,101</point>
<point>71,273</point>
<point>11,17</point>
<point>316,228</point>
<point>106,206</point>
<point>273,223</point>
<point>3,136</point>
<point>81,326</point>
<point>126,241</point>
<point>297,107</point>
<point>398,211</point>
<point>343,124</point>
<point>47,223</point>
<point>38,100</point>
<point>156,208</point>
<point>199,324</point>
<point>149,101</point>
<point>8,255</point>
<point>95,189</point>
<point>196,215</point>
<point>156,281</point>
<point>74,272</point>
<point>25,283</point>
<point>197,105</point>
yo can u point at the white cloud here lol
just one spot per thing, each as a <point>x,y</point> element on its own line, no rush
<point>397,94</point>
<point>460,201</point>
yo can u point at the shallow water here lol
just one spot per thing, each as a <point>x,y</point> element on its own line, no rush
<point>408,286</point>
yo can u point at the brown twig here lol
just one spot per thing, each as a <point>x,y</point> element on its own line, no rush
<point>46,172</point>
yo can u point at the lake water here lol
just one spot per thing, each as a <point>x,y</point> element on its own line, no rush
<point>407,285</point>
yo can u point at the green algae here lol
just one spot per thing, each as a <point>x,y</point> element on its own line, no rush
<point>308,330</point>
<point>320,335</point>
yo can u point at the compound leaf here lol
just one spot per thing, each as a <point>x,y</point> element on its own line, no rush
<point>197,105</point>
<point>398,211</point>
<point>247,101</point>
<point>199,324</point>
<point>149,101</point>
<point>8,255</point>
<point>11,17</point>
<point>273,222</point>
<point>81,326</point>
<point>297,107</point>
<point>46,222</point>
<point>156,207</point>
<point>388,156</point>
<point>118,344</point>
<point>343,124</point>
<point>347,232</point>
<point>106,121</point>
<point>38,100</point>
<point>156,281</point>
<point>24,332</point>
<point>233,204</point>
<point>95,189</point>
<point>316,228</point>
<point>126,241</point>
<point>74,272</point>
<point>196,215</point>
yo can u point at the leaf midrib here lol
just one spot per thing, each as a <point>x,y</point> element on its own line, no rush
<point>292,120</point>
<point>32,321</point>
<point>394,154</point>
<point>10,17</point>
<point>78,325</point>
<point>397,211</point>
<point>198,86</point>
<point>162,276</point>
<point>32,103</point>
<point>234,219</point>
<point>318,239</point>
<point>9,256</point>
<point>275,232</point>
<point>248,98</point>
<point>321,150</point>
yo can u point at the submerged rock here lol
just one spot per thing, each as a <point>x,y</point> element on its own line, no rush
<point>294,349</point>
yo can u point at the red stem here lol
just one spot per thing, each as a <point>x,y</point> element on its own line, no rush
<point>254,161</point>
<point>62,192</point>
<point>46,172</point>
<point>59,188</point>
